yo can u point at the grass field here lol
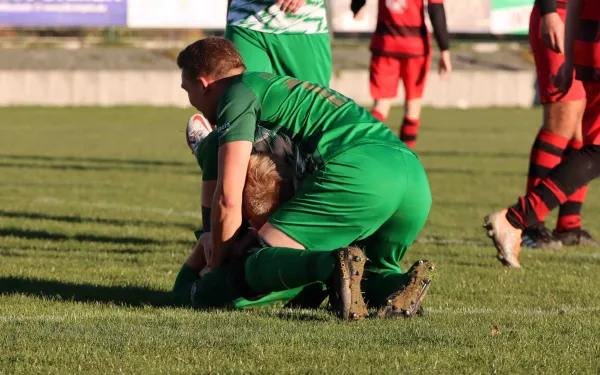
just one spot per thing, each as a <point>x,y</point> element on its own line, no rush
<point>96,212</point>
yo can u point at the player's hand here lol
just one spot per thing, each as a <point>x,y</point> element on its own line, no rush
<point>563,80</point>
<point>360,15</point>
<point>290,6</point>
<point>445,65</point>
<point>553,32</point>
<point>206,242</point>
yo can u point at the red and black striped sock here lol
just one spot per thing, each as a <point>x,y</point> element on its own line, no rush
<point>569,215</point>
<point>546,153</point>
<point>562,182</point>
<point>409,130</point>
<point>378,115</point>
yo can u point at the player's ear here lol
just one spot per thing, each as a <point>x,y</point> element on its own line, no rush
<point>203,81</point>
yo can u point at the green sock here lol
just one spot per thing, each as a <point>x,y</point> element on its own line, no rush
<point>279,268</point>
<point>183,285</point>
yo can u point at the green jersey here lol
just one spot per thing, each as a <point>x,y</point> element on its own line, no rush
<point>322,122</point>
<point>265,16</point>
<point>267,141</point>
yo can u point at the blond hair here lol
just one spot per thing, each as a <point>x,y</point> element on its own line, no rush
<point>268,184</point>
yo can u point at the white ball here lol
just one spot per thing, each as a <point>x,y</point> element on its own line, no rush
<point>197,129</point>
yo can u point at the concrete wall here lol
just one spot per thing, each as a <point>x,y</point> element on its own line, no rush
<point>463,89</point>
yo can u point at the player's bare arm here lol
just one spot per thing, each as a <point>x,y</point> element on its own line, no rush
<point>356,6</point>
<point>437,15</point>
<point>564,78</point>
<point>227,201</point>
<point>552,27</point>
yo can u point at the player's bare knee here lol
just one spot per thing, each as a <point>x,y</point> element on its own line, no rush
<point>412,108</point>
<point>383,106</point>
<point>564,118</point>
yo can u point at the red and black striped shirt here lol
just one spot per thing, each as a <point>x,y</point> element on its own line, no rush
<point>586,47</point>
<point>401,28</point>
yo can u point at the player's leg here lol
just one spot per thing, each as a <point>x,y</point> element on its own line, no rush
<point>252,48</point>
<point>345,201</point>
<point>385,285</point>
<point>505,227</point>
<point>561,122</point>
<point>218,289</point>
<point>303,56</point>
<point>274,269</point>
<point>362,196</point>
<point>413,72</point>
<point>384,74</point>
<point>568,226</point>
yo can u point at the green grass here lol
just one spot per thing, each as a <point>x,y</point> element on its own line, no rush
<point>96,212</point>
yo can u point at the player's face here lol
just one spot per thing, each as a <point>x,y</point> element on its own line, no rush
<point>200,97</point>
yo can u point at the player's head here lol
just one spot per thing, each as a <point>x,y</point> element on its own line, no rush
<point>268,185</point>
<point>203,64</point>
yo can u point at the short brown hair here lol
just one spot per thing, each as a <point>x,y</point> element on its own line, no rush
<point>212,57</point>
<point>269,183</point>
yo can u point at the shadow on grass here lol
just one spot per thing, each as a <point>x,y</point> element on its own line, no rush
<point>91,220</point>
<point>92,168</point>
<point>492,155</point>
<point>59,290</point>
<point>140,162</point>
<point>44,235</point>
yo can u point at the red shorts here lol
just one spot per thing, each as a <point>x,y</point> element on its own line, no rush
<point>591,117</point>
<point>547,63</point>
<point>386,71</point>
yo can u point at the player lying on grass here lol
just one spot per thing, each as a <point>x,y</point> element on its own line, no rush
<point>582,57</point>
<point>366,187</point>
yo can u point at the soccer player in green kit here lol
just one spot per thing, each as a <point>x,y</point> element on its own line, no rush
<point>287,37</point>
<point>368,188</point>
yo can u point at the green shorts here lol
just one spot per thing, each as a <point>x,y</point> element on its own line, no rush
<point>374,195</point>
<point>306,57</point>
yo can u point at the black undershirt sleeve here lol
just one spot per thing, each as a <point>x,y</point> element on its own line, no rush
<point>546,6</point>
<point>357,5</point>
<point>437,15</point>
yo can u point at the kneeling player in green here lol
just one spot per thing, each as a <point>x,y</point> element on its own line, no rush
<point>367,186</point>
<point>305,274</point>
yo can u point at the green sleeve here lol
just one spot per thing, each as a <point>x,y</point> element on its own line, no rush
<point>237,113</point>
<point>207,156</point>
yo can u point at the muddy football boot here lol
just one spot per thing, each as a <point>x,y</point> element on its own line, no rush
<point>345,293</point>
<point>507,238</point>
<point>577,237</point>
<point>406,302</point>
<point>540,237</point>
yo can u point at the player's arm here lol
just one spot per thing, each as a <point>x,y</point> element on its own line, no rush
<point>437,16</point>
<point>552,28</point>
<point>236,123</point>
<point>572,25</point>
<point>357,5</point>
<point>564,78</point>
<point>227,202</point>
